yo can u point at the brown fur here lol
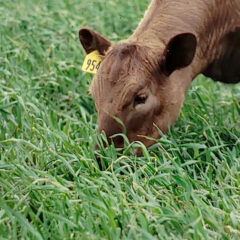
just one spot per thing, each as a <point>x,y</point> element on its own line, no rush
<point>143,80</point>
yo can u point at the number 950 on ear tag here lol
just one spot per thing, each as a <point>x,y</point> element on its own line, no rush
<point>92,62</point>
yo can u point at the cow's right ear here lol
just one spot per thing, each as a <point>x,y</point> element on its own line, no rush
<point>92,41</point>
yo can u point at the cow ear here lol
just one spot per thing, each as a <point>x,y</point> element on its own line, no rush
<point>179,52</point>
<point>92,41</point>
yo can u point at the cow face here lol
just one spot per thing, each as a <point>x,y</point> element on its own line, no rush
<point>142,87</point>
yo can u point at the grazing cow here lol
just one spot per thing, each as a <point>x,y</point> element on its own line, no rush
<point>143,80</point>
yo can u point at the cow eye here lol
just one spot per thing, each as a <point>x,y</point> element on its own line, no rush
<point>140,99</point>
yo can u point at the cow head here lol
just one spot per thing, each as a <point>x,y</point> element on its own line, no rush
<point>142,86</point>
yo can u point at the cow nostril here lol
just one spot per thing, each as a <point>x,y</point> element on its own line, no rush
<point>117,140</point>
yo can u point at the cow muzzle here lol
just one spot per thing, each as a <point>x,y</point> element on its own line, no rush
<point>111,128</point>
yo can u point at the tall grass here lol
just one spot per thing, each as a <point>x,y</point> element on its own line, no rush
<point>187,186</point>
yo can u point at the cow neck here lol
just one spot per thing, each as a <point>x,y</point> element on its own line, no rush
<point>166,18</point>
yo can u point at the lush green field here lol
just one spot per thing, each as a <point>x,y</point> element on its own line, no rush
<point>187,186</point>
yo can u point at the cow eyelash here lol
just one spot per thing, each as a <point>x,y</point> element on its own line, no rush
<point>140,99</point>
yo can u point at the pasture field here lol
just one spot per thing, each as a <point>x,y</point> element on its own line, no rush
<point>187,186</point>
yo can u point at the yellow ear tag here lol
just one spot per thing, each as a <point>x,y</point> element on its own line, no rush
<point>92,62</point>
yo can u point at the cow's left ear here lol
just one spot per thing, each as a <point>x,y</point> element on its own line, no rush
<point>179,52</point>
<point>92,41</point>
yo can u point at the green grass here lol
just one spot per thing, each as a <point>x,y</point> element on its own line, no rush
<point>187,186</point>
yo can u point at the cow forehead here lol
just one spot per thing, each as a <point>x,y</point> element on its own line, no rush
<point>120,62</point>
<point>124,60</point>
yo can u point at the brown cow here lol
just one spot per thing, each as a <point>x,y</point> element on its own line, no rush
<point>143,80</point>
